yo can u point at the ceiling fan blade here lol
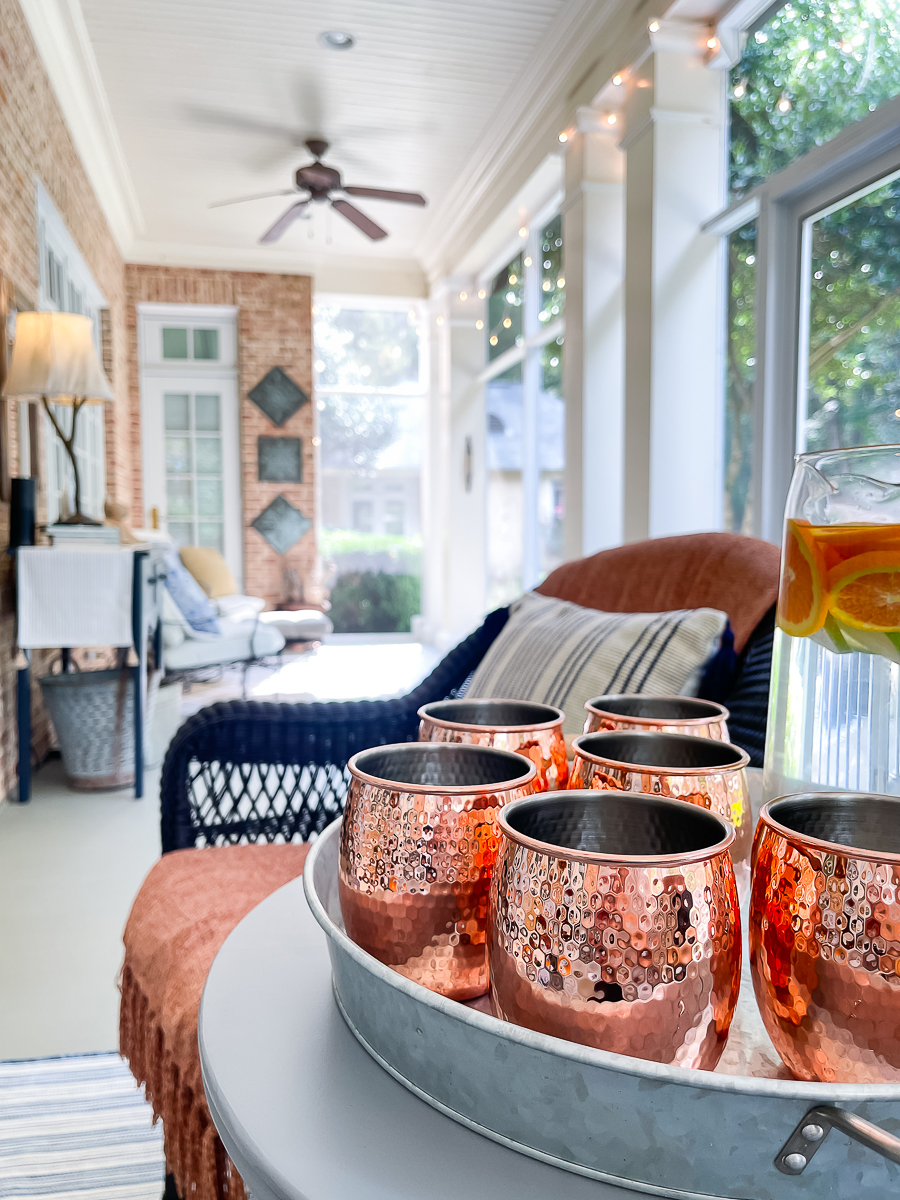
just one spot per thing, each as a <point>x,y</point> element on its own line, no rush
<point>286,218</point>
<point>258,196</point>
<point>360,220</point>
<point>382,194</point>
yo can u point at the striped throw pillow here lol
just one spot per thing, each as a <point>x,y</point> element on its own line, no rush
<point>558,653</point>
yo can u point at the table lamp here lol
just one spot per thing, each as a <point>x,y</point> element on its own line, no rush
<point>54,357</point>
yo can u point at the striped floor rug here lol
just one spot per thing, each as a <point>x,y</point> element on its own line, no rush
<point>77,1128</point>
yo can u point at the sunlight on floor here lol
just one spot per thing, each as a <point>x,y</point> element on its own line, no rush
<point>348,672</point>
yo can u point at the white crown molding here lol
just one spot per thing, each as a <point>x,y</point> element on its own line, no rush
<point>539,96</point>
<point>61,38</point>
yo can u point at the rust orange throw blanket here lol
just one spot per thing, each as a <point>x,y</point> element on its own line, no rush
<point>187,906</point>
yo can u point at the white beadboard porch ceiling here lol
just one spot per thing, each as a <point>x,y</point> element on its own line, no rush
<point>213,99</point>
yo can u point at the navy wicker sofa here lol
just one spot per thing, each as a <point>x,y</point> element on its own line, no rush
<point>251,771</point>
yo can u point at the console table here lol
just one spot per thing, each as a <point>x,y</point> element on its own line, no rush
<point>306,1114</point>
<point>139,605</point>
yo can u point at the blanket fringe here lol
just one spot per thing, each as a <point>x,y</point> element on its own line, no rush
<point>195,1155</point>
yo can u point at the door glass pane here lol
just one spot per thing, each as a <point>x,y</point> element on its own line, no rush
<point>553,283</point>
<point>181,532</point>
<point>740,374</point>
<point>174,343</point>
<point>503,403</point>
<point>551,458</point>
<point>178,456</point>
<point>853,384</point>
<point>179,497</point>
<point>176,405</point>
<point>209,456</point>
<point>505,308</point>
<point>206,343</point>
<point>206,412</point>
<point>209,497</point>
<point>805,74</point>
<point>209,533</point>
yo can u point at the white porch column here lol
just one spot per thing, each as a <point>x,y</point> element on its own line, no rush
<point>593,376</point>
<point>674,144</point>
<point>453,583</point>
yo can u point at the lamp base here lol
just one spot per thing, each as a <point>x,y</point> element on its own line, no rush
<point>79,519</point>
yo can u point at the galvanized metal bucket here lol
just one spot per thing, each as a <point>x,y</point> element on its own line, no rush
<point>658,1129</point>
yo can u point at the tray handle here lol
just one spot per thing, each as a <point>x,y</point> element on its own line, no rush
<point>794,1156</point>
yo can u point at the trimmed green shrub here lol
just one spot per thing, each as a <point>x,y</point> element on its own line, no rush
<point>374,602</point>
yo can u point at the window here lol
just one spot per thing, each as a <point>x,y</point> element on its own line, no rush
<point>204,342</point>
<point>194,469</point>
<point>525,415</point>
<point>805,74</point>
<point>740,375</point>
<point>369,404</point>
<point>66,285</point>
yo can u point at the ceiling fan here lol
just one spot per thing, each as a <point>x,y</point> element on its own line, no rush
<point>320,182</point>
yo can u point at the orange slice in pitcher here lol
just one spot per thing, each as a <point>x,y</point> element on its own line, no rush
<point>801,597</point>
<point>864,592</point>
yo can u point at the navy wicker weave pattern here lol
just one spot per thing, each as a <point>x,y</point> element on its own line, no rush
<point>250,771</point>
<point>748,702</point>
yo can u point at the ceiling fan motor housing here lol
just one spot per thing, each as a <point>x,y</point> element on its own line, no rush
<point>318,179</point>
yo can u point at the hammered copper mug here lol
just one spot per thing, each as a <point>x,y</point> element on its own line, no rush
<point>533,730</point>
<point>825,934</point>
<point>418,843</point>
<point>699,771</point>
<point>615,923</point>
<point>657,714</point>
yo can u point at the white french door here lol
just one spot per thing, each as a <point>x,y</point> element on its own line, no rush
<point>192,460</point>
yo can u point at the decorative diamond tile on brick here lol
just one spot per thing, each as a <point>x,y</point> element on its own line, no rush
<point>278,396</point>
<point>279,459</point>
<point>281,524</point>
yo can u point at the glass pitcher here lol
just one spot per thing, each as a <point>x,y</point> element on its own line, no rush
<point>834,703</point>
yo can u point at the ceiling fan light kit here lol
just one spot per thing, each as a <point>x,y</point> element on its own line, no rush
<point>322,183</point>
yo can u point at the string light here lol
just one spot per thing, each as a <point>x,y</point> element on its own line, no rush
<point>527,260</point>
<point>507,322</point>
<point>653,26</point>
<point>546,285</point>
<point>712,42</point>
<point>440,321</point>
<point>463,295</point>
<point>513,278</point>
<point>740,89</point>
<point>611,118</point>
<point>617,80</point>
<point>523,232</point>
<point>561,283</point>
<point>784,104</point>
<point>479,324</point>
<point>317,441</point>
<point>494,340</point>
<point>481,294</point>
<point>563,137</point>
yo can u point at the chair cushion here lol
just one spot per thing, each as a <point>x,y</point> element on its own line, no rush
<point>238,642</point>
<point>187,906</point>
<point>188,597</point>
<point>558,653</point>
<point>305,625</point>
<point>239,608</point>
<point>210,570</point>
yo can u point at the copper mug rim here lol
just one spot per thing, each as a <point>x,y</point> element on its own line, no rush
<point>427,713</point>
<point>706,746</point>
<point>808,841</point>
<point>714,712</point>
<point>522,769</point>
<point>688,812</point>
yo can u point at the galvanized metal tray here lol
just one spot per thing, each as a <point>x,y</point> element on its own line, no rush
<point>668,1131</point>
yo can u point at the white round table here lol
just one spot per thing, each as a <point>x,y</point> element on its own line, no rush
<point>303,1110</point>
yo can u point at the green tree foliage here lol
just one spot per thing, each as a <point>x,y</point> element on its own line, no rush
<point>374,602</point>
<point>356,429</point>
<point>366,347</point>
<point>740,374</point>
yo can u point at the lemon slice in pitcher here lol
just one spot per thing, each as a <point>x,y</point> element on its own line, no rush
<point>801,598</point>
<point>864,592</point>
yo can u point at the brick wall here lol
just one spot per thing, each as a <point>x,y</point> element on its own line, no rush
<point>35,144</point>
<point>274,329</point>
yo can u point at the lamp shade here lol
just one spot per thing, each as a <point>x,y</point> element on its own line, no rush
<point>54,356</point>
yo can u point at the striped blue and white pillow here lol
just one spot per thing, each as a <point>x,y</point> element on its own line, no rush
<point>558,653</point>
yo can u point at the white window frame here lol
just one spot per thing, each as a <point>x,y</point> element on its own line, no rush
<point>72,274</point>
<point>158,375</point>
<point>861,156</point>
<point>533,339</point>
